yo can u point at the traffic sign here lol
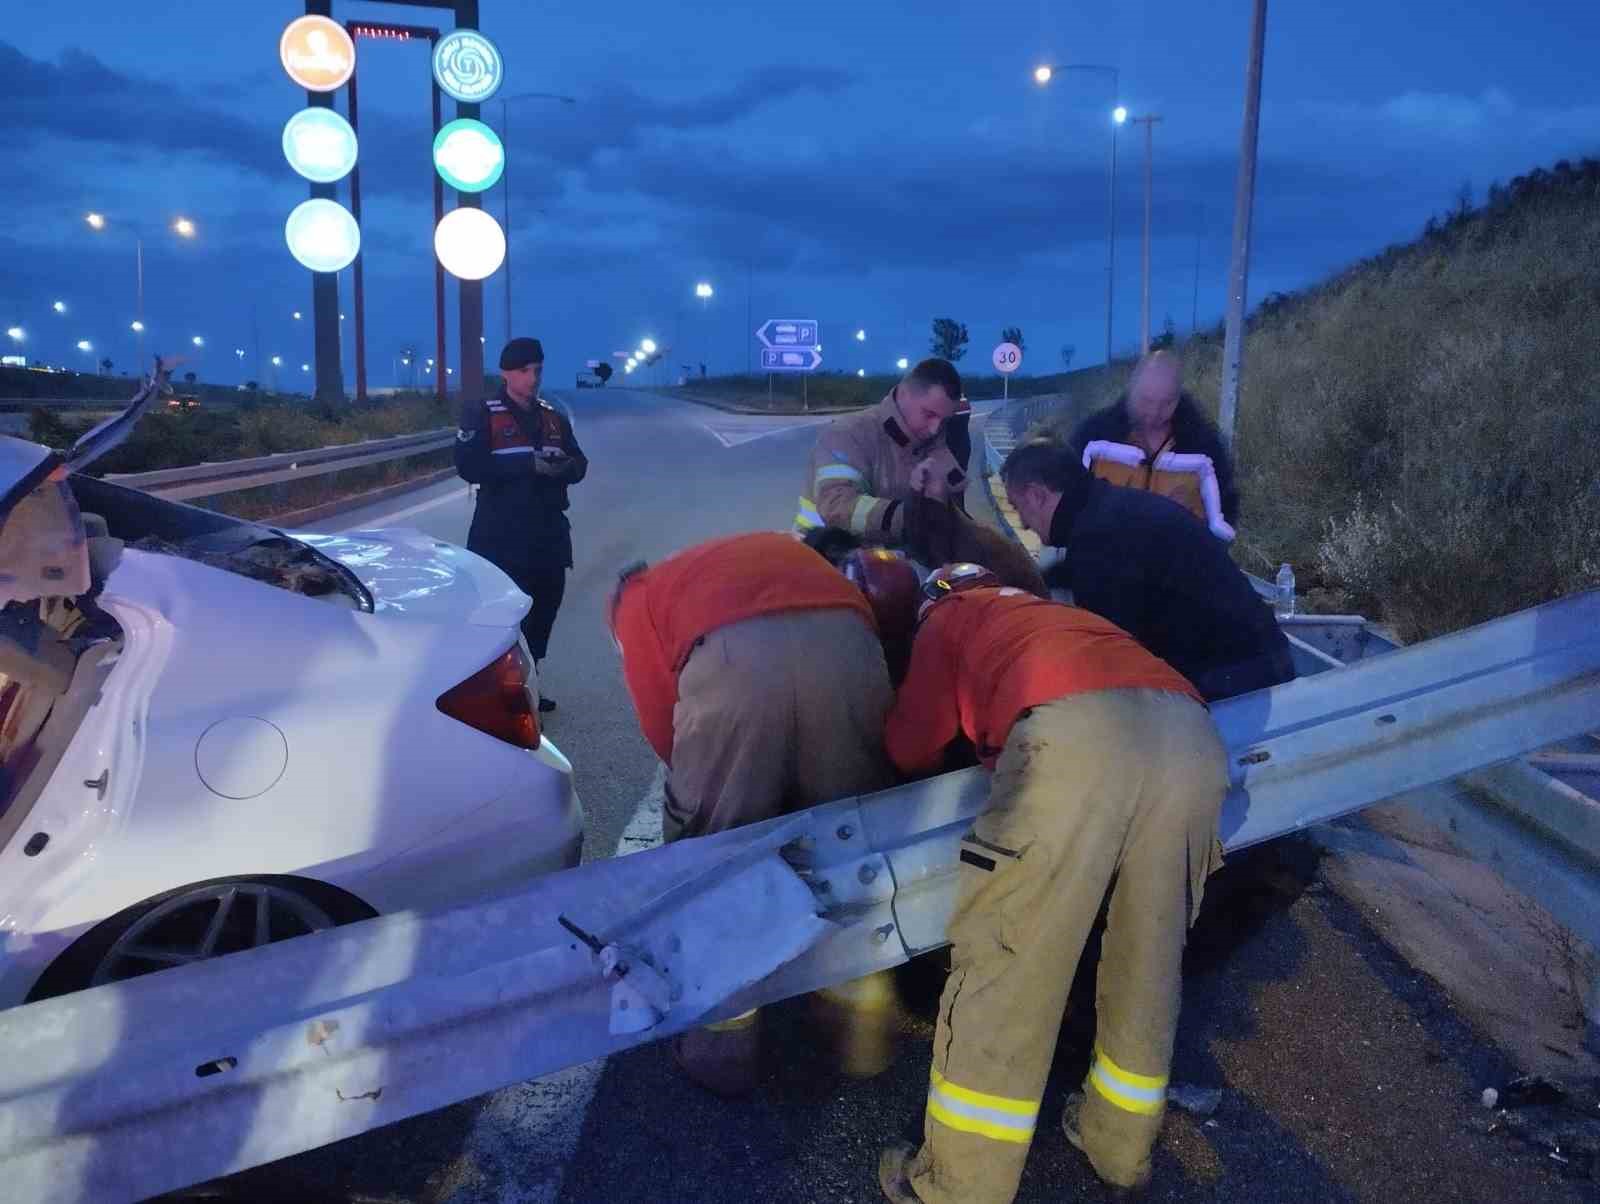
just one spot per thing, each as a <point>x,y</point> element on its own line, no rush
<point>318,53</point>
<point>788,332</point>
<point>1007,358</point>
<point>791,359</point>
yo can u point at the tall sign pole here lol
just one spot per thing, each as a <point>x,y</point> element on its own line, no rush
<point>1243,207</point>
<point>470,291</point>
<point>325,285</point>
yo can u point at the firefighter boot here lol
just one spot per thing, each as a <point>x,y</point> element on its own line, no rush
<point>725,1057</point>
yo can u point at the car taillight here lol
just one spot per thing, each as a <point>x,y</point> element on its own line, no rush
<point>496,700</point>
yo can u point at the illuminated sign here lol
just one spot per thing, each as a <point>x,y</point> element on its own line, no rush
<point>320,145</point>
<point>317,53</point>
<point>467,66</point>
<point>390,33</point>
<point>470,244</point>
<point>322,235</point>
<point>469,155</point>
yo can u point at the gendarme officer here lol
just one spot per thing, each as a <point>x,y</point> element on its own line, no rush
<point>521,453</point>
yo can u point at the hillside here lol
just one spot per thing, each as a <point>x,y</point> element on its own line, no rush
<point>1420,434</point>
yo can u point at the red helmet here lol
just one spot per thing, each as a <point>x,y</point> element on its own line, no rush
<point>955,579</point>
<point>890,583</point>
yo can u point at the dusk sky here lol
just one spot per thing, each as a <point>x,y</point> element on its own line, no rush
<point>871,165</point>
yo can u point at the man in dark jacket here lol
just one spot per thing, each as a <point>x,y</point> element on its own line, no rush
<point>1142,562</point>
<point>521,453</point>
<point>1156,415</point>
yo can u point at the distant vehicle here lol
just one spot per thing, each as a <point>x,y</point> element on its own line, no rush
<point>588,380</point>
<point>183,401</point>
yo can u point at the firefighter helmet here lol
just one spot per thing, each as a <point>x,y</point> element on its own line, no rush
<point>955,579</point>
<point>891,585</point>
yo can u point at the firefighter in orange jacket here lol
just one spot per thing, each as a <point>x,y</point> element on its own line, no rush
<point>758,677</point>
<point>1109,775</point>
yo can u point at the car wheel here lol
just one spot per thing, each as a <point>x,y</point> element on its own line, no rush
<point>195,923</point>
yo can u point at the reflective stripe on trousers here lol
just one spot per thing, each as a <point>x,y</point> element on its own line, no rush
<point>993,1116</point>
<point>1143,1094</point>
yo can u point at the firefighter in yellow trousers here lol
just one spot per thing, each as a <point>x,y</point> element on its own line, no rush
<point>1109,776</point>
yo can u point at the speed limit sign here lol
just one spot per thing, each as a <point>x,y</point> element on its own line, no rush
<point>1007,358</point>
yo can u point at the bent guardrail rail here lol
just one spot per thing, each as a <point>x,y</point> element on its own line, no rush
<point>136,1088</point>
<point>230,476</point>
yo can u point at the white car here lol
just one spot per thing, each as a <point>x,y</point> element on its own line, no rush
<point>214,734</point>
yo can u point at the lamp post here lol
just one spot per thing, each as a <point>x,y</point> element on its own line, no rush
<point>1243,207</point>
<point>505,177</point>
<point>1149,122</point>
<point>705,292</point>
<point>183,227</point>
<point>1042,76</point>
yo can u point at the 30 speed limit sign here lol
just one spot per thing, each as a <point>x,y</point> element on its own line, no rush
<point>1007,358</point>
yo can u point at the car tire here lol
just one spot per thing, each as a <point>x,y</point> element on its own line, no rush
<point>195,923</point>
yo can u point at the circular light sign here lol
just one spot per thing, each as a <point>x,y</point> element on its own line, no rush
<point>469,155</point>
<point>318,53</point>
<point>322,235</point>
<point>467,66</point>
<point>320,145</point>
<point>470,244</point>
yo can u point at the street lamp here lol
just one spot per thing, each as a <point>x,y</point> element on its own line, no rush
<point>96,221</point>
<point>136,326</point>
<point>198,341</point>
<point>505,178</point>
<point>60,307</point>
<point>17,334</point>
<point>648,346</point>
<point>1043,75</point>
<point>277,361</point>
<point>85,345</point>
<point>297,315</point>
<point>184,227</point>
<point>902,363</point>
<point>1149,123</point>
<point>703,291</point>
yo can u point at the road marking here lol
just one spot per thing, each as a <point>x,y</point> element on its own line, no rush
<point>525,1137</point>
<point>734,433</point>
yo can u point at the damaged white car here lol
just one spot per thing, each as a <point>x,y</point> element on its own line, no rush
<point>215,734</point>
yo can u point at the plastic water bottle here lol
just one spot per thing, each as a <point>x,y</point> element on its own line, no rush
<point>1283,604</point>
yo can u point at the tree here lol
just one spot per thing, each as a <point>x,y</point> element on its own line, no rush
<point>1168,337</point>
<point>1013,334</point>
<point>949,339</point>
<point>603,370</point>
<point>251,385</point>
<point>1067,352</point>
<point>189,378</point>
<point>105,366</point>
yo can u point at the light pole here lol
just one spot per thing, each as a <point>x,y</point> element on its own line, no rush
<point>181,226</point>
<point>1149,122</point>
<point>705,292</point>
<point>505,178</point>
<point>1243,206</point>
<point>1042,76</point>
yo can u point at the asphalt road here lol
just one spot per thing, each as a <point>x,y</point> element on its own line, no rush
<point>1346,1076</point>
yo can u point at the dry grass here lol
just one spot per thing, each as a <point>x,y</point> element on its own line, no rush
<point>1420,437</point>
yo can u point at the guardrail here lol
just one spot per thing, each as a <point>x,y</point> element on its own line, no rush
<point>209,480</point>
<point>127,1090</point>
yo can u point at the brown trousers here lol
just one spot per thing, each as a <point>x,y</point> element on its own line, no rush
<point>776,714</point>
<point>1115,790</point>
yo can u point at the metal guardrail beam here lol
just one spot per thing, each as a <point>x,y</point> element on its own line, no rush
<point>208,480</point>
<point>128,1090</point>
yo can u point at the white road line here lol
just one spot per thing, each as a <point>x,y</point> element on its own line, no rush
<point>524,1139</point>
<point>732,435</point>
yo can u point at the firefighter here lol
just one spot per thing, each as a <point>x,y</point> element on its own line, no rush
<point>758,677</point>
<point>522,454</point>
<point>1108,777</point>
<point>865,466</point>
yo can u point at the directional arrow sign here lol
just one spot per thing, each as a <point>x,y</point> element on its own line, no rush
<point>790,359</point>
<point>788,332</point>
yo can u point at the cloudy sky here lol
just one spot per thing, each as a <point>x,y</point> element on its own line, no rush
<point>873,165</point>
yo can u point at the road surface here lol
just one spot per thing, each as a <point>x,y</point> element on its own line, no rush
<point>1346,1076</point>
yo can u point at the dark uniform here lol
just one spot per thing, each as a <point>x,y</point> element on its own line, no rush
<point>520,523</point>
